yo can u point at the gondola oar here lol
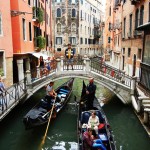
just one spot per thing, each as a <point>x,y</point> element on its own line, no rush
<point>43,141</point>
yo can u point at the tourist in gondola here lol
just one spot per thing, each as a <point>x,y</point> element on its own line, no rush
<point>88,139</point>
<point>93,122</point>
<point>90,91</point>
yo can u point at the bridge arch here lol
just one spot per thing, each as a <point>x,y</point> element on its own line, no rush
<point>121,91</point>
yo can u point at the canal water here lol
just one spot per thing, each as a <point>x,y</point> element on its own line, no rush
<point>62,133</point>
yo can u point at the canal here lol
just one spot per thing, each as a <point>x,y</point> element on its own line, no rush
<point>127,130</point>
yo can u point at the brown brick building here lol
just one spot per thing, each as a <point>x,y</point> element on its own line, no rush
<point>123,41</point>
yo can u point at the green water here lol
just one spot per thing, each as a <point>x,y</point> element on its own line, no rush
<point>62,134</point>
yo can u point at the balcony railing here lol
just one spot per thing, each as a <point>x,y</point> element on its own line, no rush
<point>38,14</point>
<point>137,33</point>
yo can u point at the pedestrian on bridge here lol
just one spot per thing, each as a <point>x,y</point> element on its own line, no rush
<point>69,53</point>
<point>90,91</point>
<point>2,87</point>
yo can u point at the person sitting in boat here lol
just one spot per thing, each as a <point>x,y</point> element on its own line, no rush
<point>93,122</point>
<point>50,94</point>
<point>88,139</point>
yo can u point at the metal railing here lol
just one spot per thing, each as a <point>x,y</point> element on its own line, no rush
<point>78,63</point>
<point>110,72</point>
<point>12,95</point>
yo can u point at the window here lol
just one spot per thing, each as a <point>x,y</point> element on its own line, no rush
<point>85,40</point>
<point>124,27</point>
<point>58,49</point>
<point>73,27</point>
<point>24,28</point>
<point>58,40</point>
<point>81,40</point>
<point>139,53</point>
<point>2,63</point>
<point>123,51</point>
<point>1,32</point>
<point>110,11</point>
<point>29,2</point>
<point>136,18</point>
<point>129,52</point>
<point>81,29</point>
<point>58,27</point>
<point>58,1</point>
<point>30,32</point>
<point>58,12</point>
<point>72,40</point>
<point>130,28</point>
<point>141,15</point>
<point>73,13</point>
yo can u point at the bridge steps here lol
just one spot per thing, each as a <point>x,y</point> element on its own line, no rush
<point>146,101</point>
<point>146,105</point>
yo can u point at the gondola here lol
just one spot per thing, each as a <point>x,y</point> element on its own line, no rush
<point>104,131</point>
<point>40,113</point>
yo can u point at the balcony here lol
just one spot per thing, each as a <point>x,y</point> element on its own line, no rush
<point>138,33</point>
<point>134,2</point>
<point>38,14</point>
<point>39,43</point>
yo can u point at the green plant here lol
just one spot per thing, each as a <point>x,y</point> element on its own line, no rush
<point>40,15</point>
<point>41,42</point>
<point>1,72</point>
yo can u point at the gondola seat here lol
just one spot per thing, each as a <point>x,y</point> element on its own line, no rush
<point>85,117</point>
<point>103,137</point>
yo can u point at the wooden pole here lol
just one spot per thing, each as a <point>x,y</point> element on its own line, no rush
<point>43,141</point>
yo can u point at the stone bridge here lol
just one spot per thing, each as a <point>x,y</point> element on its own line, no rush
<point>115,80</point>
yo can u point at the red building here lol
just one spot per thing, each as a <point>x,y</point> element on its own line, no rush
<point>6,49</point>
<point>31,34</point>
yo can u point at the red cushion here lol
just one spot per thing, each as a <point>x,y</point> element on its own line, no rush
<point>101,126</point>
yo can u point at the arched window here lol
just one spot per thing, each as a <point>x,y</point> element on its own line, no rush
<point>136,18</point>
<point>58,27</point>
<point>58,12</point>
<point>73,27</point>
<point>73,13</point>
<point>141,14</point>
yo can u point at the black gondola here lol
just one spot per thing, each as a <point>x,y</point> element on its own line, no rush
<point>39,114</point>
<point>104,130</point>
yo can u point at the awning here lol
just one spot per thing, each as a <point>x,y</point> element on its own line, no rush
<point>40,54</point>
<point>144,27</point>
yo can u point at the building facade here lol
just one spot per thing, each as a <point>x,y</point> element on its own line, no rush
<point>123,37</point>
<point>6,48</point>
<point>77,22</point>
<point>31,27</point>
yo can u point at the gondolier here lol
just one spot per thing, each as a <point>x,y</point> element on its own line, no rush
<point>69,53</point>
<point>90,91</point>
<point>50,94</point>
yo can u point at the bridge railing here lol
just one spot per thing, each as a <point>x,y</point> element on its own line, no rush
<point>78,63</point>
<point>11,96</point>
<point>110,72</point>
<point>35,72</point>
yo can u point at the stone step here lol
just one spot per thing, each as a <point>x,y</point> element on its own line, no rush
<point>146,105</point>
<point>146,102</point>
<point>147,109</point>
